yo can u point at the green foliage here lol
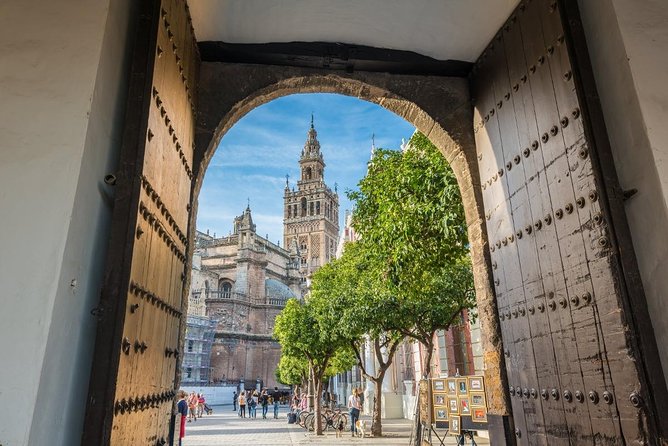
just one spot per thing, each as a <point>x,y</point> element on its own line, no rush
<point>292,370</point>
<point>409,208</point>
<point>410,215</point>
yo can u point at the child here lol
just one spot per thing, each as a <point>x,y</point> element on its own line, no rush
<point>182,409</point>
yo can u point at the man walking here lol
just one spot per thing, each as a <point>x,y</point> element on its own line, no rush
<point>234,401</point>
<point>276,395</point>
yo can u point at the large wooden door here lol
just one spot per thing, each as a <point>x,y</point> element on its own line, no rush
<point>142,308</point>
<point>576,370</point>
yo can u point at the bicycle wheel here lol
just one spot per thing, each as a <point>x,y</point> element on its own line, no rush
<point>327,422</point>
<point>339,417</point>
<point>309,423</point>
<point>302,418</point>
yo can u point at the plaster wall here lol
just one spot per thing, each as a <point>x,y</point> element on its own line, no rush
<point>215,395</point>
<point>627,44</point>
<point>62,85</point>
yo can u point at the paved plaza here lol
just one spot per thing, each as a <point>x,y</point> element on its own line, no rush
<point>225,428</point>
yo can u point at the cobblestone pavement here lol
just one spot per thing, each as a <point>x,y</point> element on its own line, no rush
<point>225,428</point>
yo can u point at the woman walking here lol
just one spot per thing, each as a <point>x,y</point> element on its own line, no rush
<point>192,406</point>
<point>355,406</point>
<point>264,402</point>
<point>253,404</point>
<point>242,404</point>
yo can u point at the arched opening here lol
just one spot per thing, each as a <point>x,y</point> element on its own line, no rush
<point>440,110</point>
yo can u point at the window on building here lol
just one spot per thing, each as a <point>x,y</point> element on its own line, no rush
<point>289,211</point>
<point>317,208</point>
<point>294,210</point>
<point>311,207</point>
<point>303,207</point>
<point>191,344</point>
<point>189,372</point>
<point>225,290</point>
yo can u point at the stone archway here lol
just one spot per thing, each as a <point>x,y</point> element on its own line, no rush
<point>439,107</point>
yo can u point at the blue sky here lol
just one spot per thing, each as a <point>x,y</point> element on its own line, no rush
<point>255,155</point>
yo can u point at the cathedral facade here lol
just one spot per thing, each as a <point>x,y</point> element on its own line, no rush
<point>241,282</point>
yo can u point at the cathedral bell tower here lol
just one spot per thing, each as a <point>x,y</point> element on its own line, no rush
<point>311,213</point>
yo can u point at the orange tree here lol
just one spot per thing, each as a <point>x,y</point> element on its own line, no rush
<point>301,335</point>
<point>354,297</point>
<point>409,213</point>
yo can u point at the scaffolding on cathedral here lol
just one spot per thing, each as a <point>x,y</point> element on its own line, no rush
<point>196,365</point>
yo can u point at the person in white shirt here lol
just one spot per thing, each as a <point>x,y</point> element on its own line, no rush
<point>354,405</point>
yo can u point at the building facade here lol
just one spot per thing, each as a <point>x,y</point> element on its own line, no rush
<point>239,283</point>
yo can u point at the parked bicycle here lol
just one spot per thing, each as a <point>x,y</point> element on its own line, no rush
<point>330,419</point>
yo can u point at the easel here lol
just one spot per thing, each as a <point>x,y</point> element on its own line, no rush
<point>461,438</point>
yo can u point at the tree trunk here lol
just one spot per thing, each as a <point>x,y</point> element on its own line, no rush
<point>318,400</point>
<point>376,426</point>
<point>426,367</point>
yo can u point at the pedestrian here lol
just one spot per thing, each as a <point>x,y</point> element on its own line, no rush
<point>277,398</point>
<point>235,397</point>
<point>242,404</point>
<point>264,402</point>
<point>182,412</point>
<point>252,412</point>
<point>303,404</point>
<point>200,405</point>
<point>192,406</point>
<point>354,405</point>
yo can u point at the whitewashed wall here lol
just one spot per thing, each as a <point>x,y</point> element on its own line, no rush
<point>214,395</point>
<point>628,43</point>
<point>63,70</point>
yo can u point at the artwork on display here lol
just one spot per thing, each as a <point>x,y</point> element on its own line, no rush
<point>479,415</point>
<point>478,399</point>
<point>455,426</point>
<point>457,397</point>
<point>462,386</point>
<point>453,405</point>
<point>476,383</point>
<point>464,405</point>
<point>452,386</point>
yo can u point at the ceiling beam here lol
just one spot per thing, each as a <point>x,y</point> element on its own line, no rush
<point>332,56</point>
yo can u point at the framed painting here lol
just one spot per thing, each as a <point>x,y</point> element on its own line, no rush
<point>476,383</point>
<point>441,414</point>
<point>454,425</point>
<point>452,386</point>
<point>479,415</point>
<point>462,386</point>
<point>453,405</point>
<point>477,399</point>
<point>440,399</point>
<point>438,385</point>
<point>464,406</point>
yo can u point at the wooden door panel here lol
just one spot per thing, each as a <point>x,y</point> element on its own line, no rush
<point>132,394</point>
<point>556,272</point>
